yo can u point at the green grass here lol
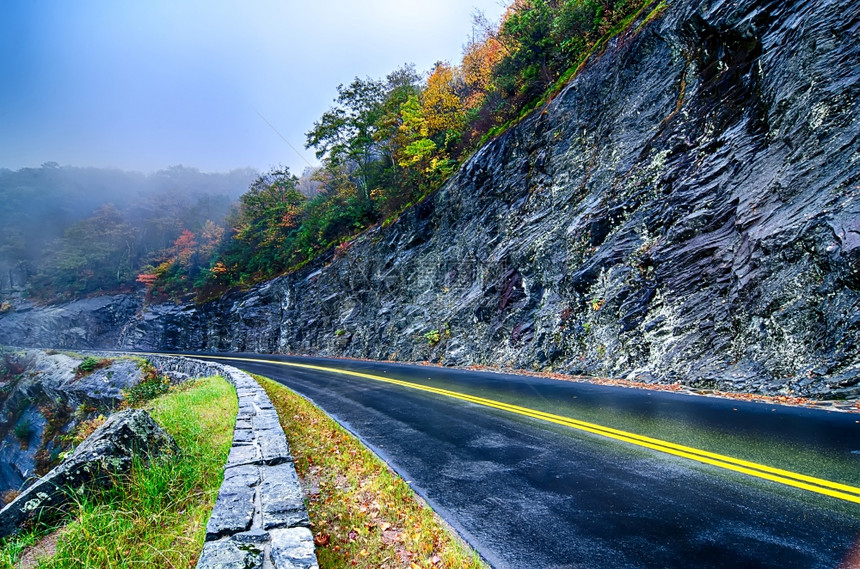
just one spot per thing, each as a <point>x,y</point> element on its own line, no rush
<point>157,517</point>
<point>364,515</point>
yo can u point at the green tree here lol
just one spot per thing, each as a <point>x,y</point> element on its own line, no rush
<point>345,134</point>
<point>96,254</point>
<point>267,218</point>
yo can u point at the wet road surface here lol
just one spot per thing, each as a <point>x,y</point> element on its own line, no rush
<point>530,494</point>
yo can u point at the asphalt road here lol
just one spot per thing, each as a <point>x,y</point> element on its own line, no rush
<point>527,493</point>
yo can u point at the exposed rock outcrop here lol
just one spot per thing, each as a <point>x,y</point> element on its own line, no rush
<point>109,451</point>
<point>45,395</point>
<point>687,209</point>
<point>95,322</point>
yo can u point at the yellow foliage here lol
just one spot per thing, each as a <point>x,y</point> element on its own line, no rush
<point>163,267</point>
<point>218,269</point>
<point>211,236</point>
<point>442,107</point>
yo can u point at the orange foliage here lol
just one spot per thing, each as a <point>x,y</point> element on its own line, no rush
<point>147,279</point>
<point>291,217</point>
<point>479,60</point>
<point>184,246</point>
<point>218,269</point>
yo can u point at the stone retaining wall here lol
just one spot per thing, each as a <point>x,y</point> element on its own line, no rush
<point>259,520</point>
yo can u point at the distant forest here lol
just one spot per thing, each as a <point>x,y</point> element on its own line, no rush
<point>384,145</point>
<point>67,232</point>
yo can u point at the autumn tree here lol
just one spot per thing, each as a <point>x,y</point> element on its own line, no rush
<point>184,248</point>
<point>430,125</point>
<point>402,85</point>
<point>267,217</point>
<point>211,236</point>
<point>479,61</point>
<point>442,105</point>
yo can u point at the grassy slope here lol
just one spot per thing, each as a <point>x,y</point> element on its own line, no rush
<point>364,514</point>
<point>157,519</point>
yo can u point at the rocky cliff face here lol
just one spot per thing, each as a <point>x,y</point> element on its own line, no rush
<point>95,322</point>
<point>687,209</point>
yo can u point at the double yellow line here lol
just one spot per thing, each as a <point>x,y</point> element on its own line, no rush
<point>794,479</point>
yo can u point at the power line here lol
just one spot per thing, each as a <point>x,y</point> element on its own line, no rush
<point>284,139</point>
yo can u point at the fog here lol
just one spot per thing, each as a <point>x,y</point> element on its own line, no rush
<point>44,208</point>
<point>93,93</point>
<point>214,85</point>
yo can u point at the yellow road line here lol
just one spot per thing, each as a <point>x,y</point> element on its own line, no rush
<point>788,478</point>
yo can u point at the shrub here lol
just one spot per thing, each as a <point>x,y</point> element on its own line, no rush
<point>22,431</point>
<point>433,337</point>
<point>147,389</point>
<point>91,364</point>
<point>86,428</point>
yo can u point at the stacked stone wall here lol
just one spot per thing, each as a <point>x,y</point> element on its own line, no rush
<point>259,519</point>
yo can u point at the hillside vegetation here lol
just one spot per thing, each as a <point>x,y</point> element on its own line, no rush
<point>66,232</point>
<point>387,143</point>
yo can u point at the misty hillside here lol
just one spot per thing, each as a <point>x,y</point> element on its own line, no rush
<point>67,231</point>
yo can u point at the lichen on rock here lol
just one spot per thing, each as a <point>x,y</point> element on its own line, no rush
<point>96,462</point>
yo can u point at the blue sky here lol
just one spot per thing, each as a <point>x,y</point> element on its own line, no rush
<point>144,85</point>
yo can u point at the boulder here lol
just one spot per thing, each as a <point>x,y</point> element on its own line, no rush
<point>42,397</point>
<point>108,452</point>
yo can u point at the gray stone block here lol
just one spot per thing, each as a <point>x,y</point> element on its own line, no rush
<point>230,554</point>
<point>243,436</point>
<point>281,498</point>
<point>293,548</point>
<point>273,447</point>
<point>247,475</point>
<point>234,509</point>
<point>254,535</point>
<point>242,454</point>
<point>267,421</point>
